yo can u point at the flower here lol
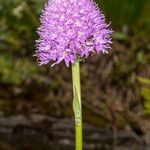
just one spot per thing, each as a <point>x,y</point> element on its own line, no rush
<point>71,28</point>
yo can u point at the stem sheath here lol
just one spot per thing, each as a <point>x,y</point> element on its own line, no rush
<point>77,106</point>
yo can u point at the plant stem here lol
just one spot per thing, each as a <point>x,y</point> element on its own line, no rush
<point>77,106</point>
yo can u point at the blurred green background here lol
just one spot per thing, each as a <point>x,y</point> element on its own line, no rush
<point>115,87</point>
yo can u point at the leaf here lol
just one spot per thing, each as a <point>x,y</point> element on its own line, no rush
<point>147,108</point>
<point>142,58</point>
<point>76,107</point>
<point>144,80</point>
<point>119,36</point>
<point>145,92</point>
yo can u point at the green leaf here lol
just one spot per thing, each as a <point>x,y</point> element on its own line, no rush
<point>76,107</point>
<point>147,108</point>
<point>145,92</point>
<point>144,80</point>
<point>119,36</point>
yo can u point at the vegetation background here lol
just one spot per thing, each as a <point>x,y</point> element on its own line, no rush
<point>115,87</point>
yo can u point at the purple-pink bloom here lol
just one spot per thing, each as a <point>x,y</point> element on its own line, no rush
<point>71,28</point>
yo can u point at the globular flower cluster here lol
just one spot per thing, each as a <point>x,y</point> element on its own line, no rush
<point>71,28</point>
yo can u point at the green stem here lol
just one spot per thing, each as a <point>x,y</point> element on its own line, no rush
<point>77,106</point>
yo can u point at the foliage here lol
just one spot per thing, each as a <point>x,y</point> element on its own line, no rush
<point>18,21</point>
<point>106,78</point>
<point>145,20</point>
<point>16,71</point>
<point>18,24</point>
<point>123,12</point>
<point>145,92</point>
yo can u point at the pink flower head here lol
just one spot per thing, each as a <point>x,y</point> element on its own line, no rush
<point>71,28</point>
